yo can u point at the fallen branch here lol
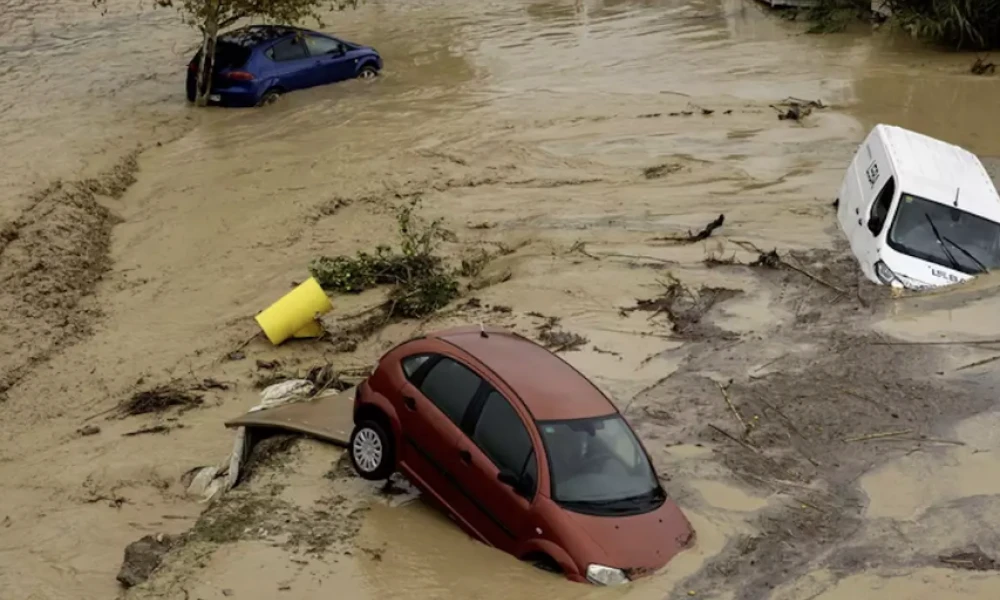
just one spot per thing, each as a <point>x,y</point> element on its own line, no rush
<point>811,276</point>
<point>239,349</point>
<point>936,343</point>
<point>791,426</point>
<point>807,505</point>
<point>581,247</point>
<point>979,363</point>
<point>735,439</point>
<point>878,436</point>
<point>637,257</point>
<point>929,440</point>
<point>145,430</point>
<point>973,560</point>
<point>785,482</point>
<point>760,368</point>
<point>774,260</point>
<point>732,407</point>
<point>982,67</point>
<point>691,238</point>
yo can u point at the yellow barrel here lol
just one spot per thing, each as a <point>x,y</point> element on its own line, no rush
<point>296,311</point>
<point>312,330</point>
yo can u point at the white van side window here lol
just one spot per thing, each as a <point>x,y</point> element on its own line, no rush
<point>880,207</point>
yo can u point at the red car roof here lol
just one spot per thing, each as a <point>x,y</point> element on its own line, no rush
<point>549,387</point>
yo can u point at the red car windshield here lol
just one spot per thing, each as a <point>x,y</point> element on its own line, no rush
<point>598,462</point>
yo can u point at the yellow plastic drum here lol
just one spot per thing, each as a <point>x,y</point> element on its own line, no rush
<point>295,312</point>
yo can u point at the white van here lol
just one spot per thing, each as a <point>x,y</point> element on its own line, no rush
<point>919,212</point>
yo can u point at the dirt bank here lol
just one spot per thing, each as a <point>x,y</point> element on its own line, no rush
<point>559,131</point>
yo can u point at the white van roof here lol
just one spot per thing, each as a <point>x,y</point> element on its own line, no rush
<point>942,167</point>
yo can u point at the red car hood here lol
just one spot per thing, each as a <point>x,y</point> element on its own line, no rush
<point>639,544</point>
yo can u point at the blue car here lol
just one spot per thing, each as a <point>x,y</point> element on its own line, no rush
<point>255,65</point>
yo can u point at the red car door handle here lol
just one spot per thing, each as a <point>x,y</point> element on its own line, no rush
<point>465,456</point>
<point>410,403</point>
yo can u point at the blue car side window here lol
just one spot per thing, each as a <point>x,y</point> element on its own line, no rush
<point>319,46</point>
<point>290,49</point>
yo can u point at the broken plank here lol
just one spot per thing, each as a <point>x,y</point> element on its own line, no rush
<point>328,418</point>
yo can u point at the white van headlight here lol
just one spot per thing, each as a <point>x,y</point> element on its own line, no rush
<point>885,275</point>
<point>602,575</point>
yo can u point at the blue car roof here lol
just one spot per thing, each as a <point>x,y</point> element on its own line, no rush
<point>255,35</point>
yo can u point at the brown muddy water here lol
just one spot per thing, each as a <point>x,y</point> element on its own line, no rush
<point>523,124</point>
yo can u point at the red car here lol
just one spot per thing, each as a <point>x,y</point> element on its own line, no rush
<point>521,450</point>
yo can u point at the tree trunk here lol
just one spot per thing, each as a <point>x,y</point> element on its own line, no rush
<point>210,32</point>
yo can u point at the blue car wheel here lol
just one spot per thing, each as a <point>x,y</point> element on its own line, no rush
<point>270,97</point>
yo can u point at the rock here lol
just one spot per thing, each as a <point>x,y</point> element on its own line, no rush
<point>89,430</point>
<point>142,557</point>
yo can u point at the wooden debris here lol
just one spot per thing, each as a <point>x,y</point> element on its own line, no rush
<point>973,560</point>
<point>796,109</point>
<point>658,171</point>
<point>878,436</point>
<point>935,343</point>
<point>735,439</point>
<point>981,67</point>
<point>732,407</point>
<point>159,399</point>
<point>691,238</point>
<point>773,260</point>
<point>979,363</point>
<point>145,430</point>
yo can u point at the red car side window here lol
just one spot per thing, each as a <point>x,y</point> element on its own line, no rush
<point>503,437</point>
<point>412,364</point>
<point>451,387</point>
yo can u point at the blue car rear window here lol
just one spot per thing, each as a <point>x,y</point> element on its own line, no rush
<point>227,56</point>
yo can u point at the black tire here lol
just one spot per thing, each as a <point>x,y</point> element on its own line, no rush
<point>372,450</point>
<point>368,72</point>
<point>545,563</point>
<point>270,97</point>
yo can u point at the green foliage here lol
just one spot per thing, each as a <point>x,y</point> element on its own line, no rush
<point>962,24</point>
<point>831,16</point>
<point>223,13</point>
<point>422,283</point>
<point>425,295</point>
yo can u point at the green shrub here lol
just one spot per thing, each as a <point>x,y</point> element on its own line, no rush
<point>422,282</point>
<point>962,24</point>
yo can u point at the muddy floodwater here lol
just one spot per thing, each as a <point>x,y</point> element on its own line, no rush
<point>571,140</point>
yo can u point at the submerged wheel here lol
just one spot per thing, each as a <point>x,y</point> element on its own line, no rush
<point>545,563</point>
<point>372,453</point>
<point>270,97</point>
<point>368,73</point>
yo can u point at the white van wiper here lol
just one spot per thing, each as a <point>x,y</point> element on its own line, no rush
<point>982,268</point>
<point>944,246</point>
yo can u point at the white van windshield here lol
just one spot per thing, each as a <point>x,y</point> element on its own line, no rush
<point>945,235</point>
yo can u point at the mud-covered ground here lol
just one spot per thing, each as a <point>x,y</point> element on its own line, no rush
<point>826,439</point>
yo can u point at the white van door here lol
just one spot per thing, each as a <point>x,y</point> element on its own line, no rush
<point>855,197</point>
<point>878,190</point>
<point>850,200</point>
